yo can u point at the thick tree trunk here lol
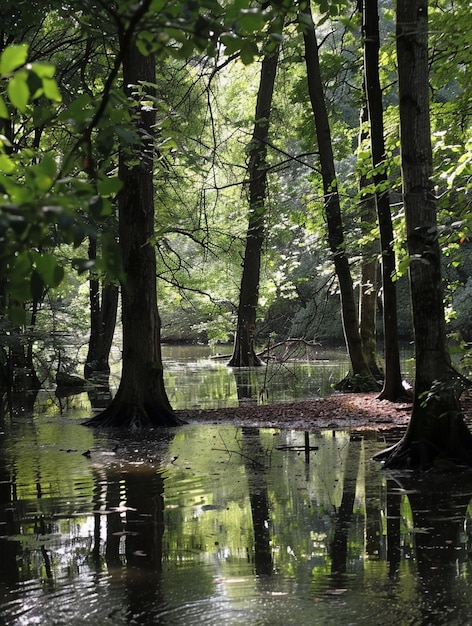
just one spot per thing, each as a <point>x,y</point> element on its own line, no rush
<point>393,387</point>
<point>244,354</point>
<point>141,399</point>
<point>359,367</point>
<point>437,428</point>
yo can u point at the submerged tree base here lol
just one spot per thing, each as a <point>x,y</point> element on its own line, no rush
<point>135,417</point>
<point>358,383</point>
<point>447,447</point>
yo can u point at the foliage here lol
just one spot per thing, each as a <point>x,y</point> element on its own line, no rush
<point>63,118</point>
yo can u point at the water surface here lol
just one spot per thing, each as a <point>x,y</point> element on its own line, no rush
<point>221,525</point>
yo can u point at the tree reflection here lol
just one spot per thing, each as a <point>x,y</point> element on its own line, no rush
<point>236,521</point>
<point>9,526</point>
<point>134,529</point>
<point>393,520</point>
<point>99,392</point>
<point>246,385</point>
<point>339,544</point>
<point>439,504</point>
<point>254,456</point>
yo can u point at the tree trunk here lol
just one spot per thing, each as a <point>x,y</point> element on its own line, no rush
<point>437,428</point>
<point>103,311</point>
<point>141,399</point>
<point>360,372</point>
<point>94,302</point>
<point>368,291</point>
<point>244,354</point>
<point>393,387</point>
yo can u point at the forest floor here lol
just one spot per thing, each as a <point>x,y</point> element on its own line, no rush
<point>347,411</point>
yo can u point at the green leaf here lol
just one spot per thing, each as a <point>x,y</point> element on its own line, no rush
<point>43,70</point>
<point>251,20</point>
<point>49,269</point>
<point>51,90</point>
<point>12,58</point>
<point>231,42</point>
<point>18,91</point>
<point>3,109</point>
<point>111,260</point>
<point>41,114</point>
<point>83,265</point>
<point>6,164</point>
<point>20,273</point>
<point>48,165</point>
<point>42,176</point>
<point>96,206</point>
<point>36,285</point>
<point>35,85</point>
<point>248,51</point>
<point>109,186</point>
<point>17,315</point>
<point>80,110</point>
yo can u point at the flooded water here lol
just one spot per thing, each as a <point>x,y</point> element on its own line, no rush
<point>222,525</point>
<point>209,383</point>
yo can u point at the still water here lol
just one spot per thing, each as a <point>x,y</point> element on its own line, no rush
<point>209,383</point>
<point>222,525</point>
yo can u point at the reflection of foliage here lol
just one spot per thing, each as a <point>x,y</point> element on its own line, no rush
<point>208,523</point>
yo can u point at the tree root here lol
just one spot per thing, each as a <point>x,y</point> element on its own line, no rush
<point>134,417</point>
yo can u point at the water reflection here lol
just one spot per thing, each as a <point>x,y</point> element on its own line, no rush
<point>224,525</point>
<point>195,380</point>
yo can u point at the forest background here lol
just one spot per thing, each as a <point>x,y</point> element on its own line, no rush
<point>66,118</point>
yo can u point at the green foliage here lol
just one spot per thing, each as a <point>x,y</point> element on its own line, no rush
<point>59,145</point>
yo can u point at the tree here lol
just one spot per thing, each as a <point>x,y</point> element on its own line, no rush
<point>244,353</point>
<point>436,428</point>
<point>368,288</point>
<point>392,387</point>
<point>141,399</point>
<point>103,312</point>
<point>27,266</point>
<point>360,375</point>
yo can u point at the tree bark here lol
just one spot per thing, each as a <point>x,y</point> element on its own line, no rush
<point>392,387</point>
<point>141,399</point>
<point>103,311</point>
<point>359,366</point>
<point>368,291</point>
<point>244,354</point>
<point>437,428</point>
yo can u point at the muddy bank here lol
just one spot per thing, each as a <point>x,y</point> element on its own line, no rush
<point>349,411</point>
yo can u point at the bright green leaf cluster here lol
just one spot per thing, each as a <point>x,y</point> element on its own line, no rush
<point>26,81</point>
